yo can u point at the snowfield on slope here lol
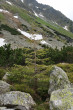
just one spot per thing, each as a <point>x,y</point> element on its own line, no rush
<point>22,0</point>
<point>44,42</point>
<point>9,2</point>
<point>34,37</point>
<point>2,42</point>
<point>31,36</point>
<point>35,14</point>
<point>4,11</point>
<point>66,28</point>
<point>16,17</point>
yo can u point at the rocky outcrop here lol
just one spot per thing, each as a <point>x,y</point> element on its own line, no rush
<point>4,87</point>
<point>5,77</point>
<point>4,108</point>
<point>58,80</point>
<point>62,99</point>
<point>61,93</point>
<point>16,98</point>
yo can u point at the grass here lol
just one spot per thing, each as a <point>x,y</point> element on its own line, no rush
<point>11,30</point>
<point>56,28</point>
<point>22,13</point>
<point>2,16</point>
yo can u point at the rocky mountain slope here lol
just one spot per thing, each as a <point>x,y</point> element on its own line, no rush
<point>22,23</point>
<point>46,12</point>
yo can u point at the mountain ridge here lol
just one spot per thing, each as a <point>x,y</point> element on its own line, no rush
<point>53,15</point>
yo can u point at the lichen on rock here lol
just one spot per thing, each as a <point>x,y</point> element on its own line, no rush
<point>17,98</point>
<point>58,79</point>
<point>61,93</point>
<point>4,87</point>
<point>62,99</point>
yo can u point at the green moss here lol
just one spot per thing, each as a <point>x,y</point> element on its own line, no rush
<point>65,97</point>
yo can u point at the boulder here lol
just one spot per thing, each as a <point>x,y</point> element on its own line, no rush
<point>4,87</point>
<point>62,99</point>
<point>58,80</point>
<point>4,108</point>
<point>17,98</point>
<point>5,77</point>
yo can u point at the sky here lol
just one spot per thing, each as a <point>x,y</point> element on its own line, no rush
<point>65,6</point>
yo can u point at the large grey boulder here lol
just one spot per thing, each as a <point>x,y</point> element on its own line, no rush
<point>58,80</point>
<point>4,108</point>
<point>62,99</point>
<point>5,77</point>
<point>4,87</point>
<point>16,98</point>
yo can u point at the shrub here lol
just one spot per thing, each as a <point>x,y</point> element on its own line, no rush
<point>2,73</point>
<point>23,88</point>
<point>11,30</point>
<point>43,106</point>
<point>68,68</point>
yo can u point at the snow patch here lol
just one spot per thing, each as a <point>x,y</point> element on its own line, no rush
<point>4,11</point>
<point>41,15</point>
<point>44,42</point>
<point>55,22</point>
<point>22,1</point>
<point>31,36</point>
<point>37,37</point>
<point>9,2</point>
<point>37,7</point>
<point>16,17</point>
<point>66,28</point>
<point>36,14</point>
<point>2,42</point>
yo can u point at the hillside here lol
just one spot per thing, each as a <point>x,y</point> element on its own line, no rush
<point>19,25</point>
<point>36,57</point>
<point>45,12</point>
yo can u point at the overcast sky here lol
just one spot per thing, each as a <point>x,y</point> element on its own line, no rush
<point>65,6</point>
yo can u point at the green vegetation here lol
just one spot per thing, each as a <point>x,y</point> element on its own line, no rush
<point>56,28</point>
<point>2,72</point>
<point>8,57</point>
<point>26,56</point>
<point>36,21</point>
<point>2,16</point>
<point>19,64</point>
<point>22,79</point>
<point>68,68</point>
<point>22,13</point>
<point>13,31</point>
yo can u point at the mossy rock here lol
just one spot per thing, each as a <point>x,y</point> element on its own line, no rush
<point>58,79</point>
<point>62,99</point>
